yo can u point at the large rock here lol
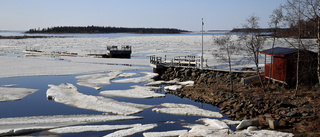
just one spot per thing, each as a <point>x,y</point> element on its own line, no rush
<point>244,124</point>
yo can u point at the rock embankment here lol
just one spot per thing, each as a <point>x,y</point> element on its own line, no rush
<point>294,113</point>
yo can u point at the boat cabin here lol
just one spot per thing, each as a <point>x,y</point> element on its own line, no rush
<point>284,65</point>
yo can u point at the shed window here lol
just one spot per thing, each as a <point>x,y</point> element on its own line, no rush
<point>268,59</point>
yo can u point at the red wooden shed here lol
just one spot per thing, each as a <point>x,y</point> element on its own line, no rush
<point>284,65</point>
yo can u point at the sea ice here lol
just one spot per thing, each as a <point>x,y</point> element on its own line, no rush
<point>68,94</point>
<point>172,87</point>
<point>41,66</point>
<point>132,131</point>
<point>184,109</point>
<point>11,94</point>
<point>10,85</point>
<point>147,78</point>
<point>126,75</point>
<point>155,83</point>
<point>173,133</point>
<point>135,92</point>
<point>96,80</point>
<point>19,125</point>
<point>90,128</point>
<point>214,123</point>
<point>214,128</point>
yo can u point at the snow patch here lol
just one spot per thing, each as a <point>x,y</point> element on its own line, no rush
<point>68,94</point>
<point>136,92</point>
<point>184,109</point>
<point>147,78</point>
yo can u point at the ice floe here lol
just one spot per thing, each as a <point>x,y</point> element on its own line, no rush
<point>96,80</point>
<point>126,75</point>
<point>184,109</point>
<point>9,85</point>
<point>173,87</point>
<point>147,78</point>
<point>214,123</point>
<point>67,94</point>
<point>19,125</point>
<point>42,66</point>
<point>132,131</point>
<point>135,92</point>
<point>11,94</point>
<point>214,128</point>
<point>173,133</point>
<point>90,128</point>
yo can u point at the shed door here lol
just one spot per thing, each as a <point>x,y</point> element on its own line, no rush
<point>279,68</point>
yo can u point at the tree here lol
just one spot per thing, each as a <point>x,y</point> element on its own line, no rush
<point>276,18</point>
<point>306,11</point>
<point>252,42</point>
<point>227,48</point>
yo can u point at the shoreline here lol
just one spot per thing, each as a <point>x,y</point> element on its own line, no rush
<point>298,115</point>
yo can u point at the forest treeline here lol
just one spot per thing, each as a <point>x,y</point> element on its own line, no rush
<point>308,29</point>
<point>102,29</point>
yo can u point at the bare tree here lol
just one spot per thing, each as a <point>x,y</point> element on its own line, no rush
<point>276,18</point>
<point>252,42</point>
<point>227,48</point>
<point>306,11</point>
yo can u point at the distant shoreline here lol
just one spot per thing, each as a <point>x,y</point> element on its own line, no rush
<point>104,30</point>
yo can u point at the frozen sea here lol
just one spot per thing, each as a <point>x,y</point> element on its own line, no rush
<point>38,72</point>
<point>37,104</point>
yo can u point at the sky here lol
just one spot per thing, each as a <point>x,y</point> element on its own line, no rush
<point>180,14</point>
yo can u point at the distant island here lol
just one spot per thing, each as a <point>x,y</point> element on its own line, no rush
<point>102,29</point>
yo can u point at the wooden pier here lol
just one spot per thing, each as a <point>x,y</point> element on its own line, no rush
<point>159,64</point>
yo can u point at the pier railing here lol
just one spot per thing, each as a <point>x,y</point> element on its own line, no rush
<point>185,61</point>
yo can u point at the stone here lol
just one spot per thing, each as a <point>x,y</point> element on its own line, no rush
<point>294,113</point>
<point>251,128</point>
<point>244,124</point>
<point>273,123</point>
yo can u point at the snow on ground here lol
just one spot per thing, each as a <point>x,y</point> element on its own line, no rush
<point>184,109</point>
<point>19,125</point>
<point>173,133</point>
<point>97,80</point>
<point>11,94</point>
<point>91,128</point>
<point>147,78</point>
<point>135,92</point>
<point>68,94</point>
<point>132,131</point>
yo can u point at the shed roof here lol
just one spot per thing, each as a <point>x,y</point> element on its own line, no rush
<point>279,51</point>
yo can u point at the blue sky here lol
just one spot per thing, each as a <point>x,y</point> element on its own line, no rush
<point>181,14</point>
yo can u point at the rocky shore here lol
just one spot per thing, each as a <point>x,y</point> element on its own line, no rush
<point>296,114</point>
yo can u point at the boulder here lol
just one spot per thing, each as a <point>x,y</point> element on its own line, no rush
<point>244,124</point>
